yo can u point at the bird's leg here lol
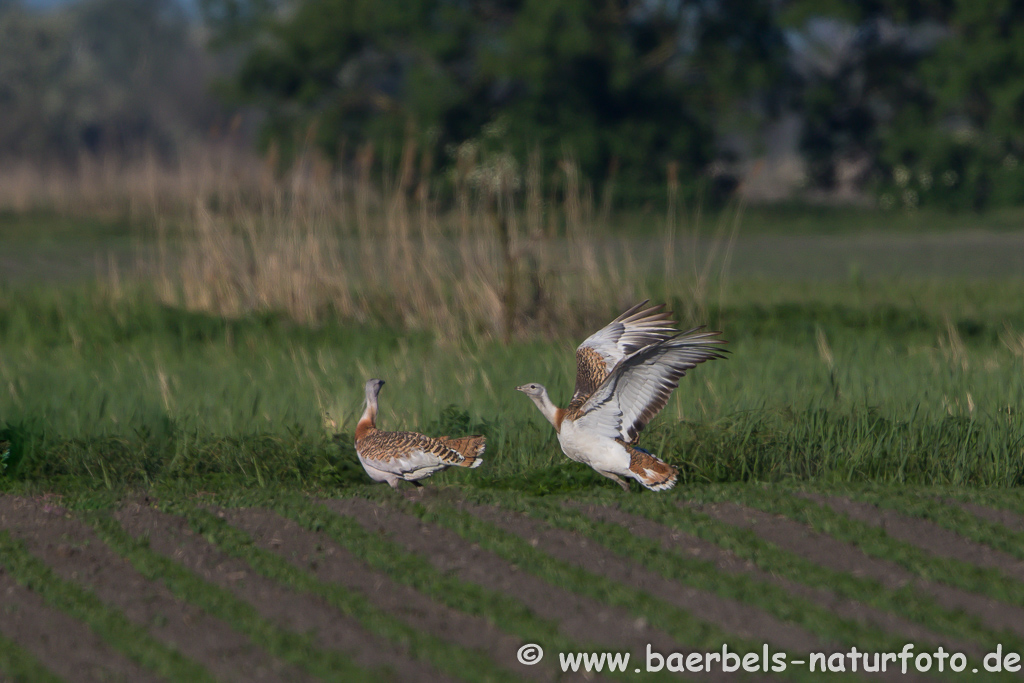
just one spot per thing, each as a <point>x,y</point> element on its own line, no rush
<point>615,478</point>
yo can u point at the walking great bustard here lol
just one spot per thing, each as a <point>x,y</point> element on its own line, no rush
<point>625,373</point>
<point>394,456</point>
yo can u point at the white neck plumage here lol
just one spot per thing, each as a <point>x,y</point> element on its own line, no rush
<point>547,408</point>
<point>371,405</point>
<point>369,414</point>
<point>368,421</point>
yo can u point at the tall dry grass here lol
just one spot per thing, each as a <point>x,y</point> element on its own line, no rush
<point>508,253</point>
<point>140,187</point>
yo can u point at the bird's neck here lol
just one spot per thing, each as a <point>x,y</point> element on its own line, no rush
<point>549,410</point>
<point>368,422</point>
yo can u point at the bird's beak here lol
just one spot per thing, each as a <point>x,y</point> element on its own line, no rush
<point>522,388</point>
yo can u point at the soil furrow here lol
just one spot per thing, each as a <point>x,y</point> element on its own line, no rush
<point>724,560</point>
<point>745,621</point>
<point>72,550</point>
<point>64,645</point>
<point>329,562</point>
<point>169,535</point>
<point>800,539</point>
<point>1011,520</point>
<point>580,618</point>
<point>924,534</point>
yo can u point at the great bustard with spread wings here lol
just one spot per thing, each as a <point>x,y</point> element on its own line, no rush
<point>394,456</point>
<point>625,373</point>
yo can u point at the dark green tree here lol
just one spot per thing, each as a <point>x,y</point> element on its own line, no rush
<point>966,138</point>
<point>855,69</point>
<point>110,76</point>
<point>614,84</point>
<point>925,93</point>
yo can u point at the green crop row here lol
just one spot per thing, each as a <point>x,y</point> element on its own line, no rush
<point>107,622</point>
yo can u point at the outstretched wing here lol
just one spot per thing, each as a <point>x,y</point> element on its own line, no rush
<point>598,355</point>
<point>639,387</point>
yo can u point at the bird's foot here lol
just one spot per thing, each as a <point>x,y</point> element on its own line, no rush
<point>617,479</point>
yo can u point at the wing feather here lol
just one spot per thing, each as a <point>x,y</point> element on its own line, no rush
<point>406,453</point>
<point>639,387</point>
<point>602,351</point>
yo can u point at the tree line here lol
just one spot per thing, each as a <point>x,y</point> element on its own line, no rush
<point>920,99</point>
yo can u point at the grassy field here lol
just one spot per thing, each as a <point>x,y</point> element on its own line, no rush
<point>849,475</point>
<point>911,382</point>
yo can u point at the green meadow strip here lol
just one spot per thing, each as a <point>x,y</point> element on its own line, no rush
<point>875,542</point>
<point>704,575</point>
<point>20,666</point>
<point>416,572</point>
<point>108,623</point>
<point>951,517</point>
<point>444,656</point>
<point>298,649</point>
<point>999,499</point>
<point>684,627</point>
<point>745,544</point>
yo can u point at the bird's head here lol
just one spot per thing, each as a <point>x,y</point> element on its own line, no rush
<point>539,395</point>
<point>373,388</point>
<point>534,391</point>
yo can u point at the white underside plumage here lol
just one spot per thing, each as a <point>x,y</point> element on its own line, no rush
<point>414,466</point>
<point>603,454</point>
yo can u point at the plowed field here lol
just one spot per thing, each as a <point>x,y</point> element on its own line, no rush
<point>450,585</point>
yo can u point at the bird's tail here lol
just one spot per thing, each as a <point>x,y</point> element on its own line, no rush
<point>471,448</point>
<point>650,471</point>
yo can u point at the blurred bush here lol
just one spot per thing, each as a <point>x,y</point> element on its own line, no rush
<point>923,100</point>
<point>623,88</point>
<point>962,142</point>
<point>916,101</point>
<point>101,77</point>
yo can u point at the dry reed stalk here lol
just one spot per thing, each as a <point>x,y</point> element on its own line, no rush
<point>232,237</point>
<point>141,187</point>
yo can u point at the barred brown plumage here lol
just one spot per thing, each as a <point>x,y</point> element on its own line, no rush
<point>625,374</point>
<point>409,456</point>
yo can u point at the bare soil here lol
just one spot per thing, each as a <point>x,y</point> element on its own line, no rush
<point>64,645</point>
<point>329,562</point>
<point>169,535</point>
<point>1011,520</point>
<point>726,561</point>
<point>72,550</point>
<point>745,621</point>
<point>926,535</point>
<point>579,618</point>
<point>844,557</point>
